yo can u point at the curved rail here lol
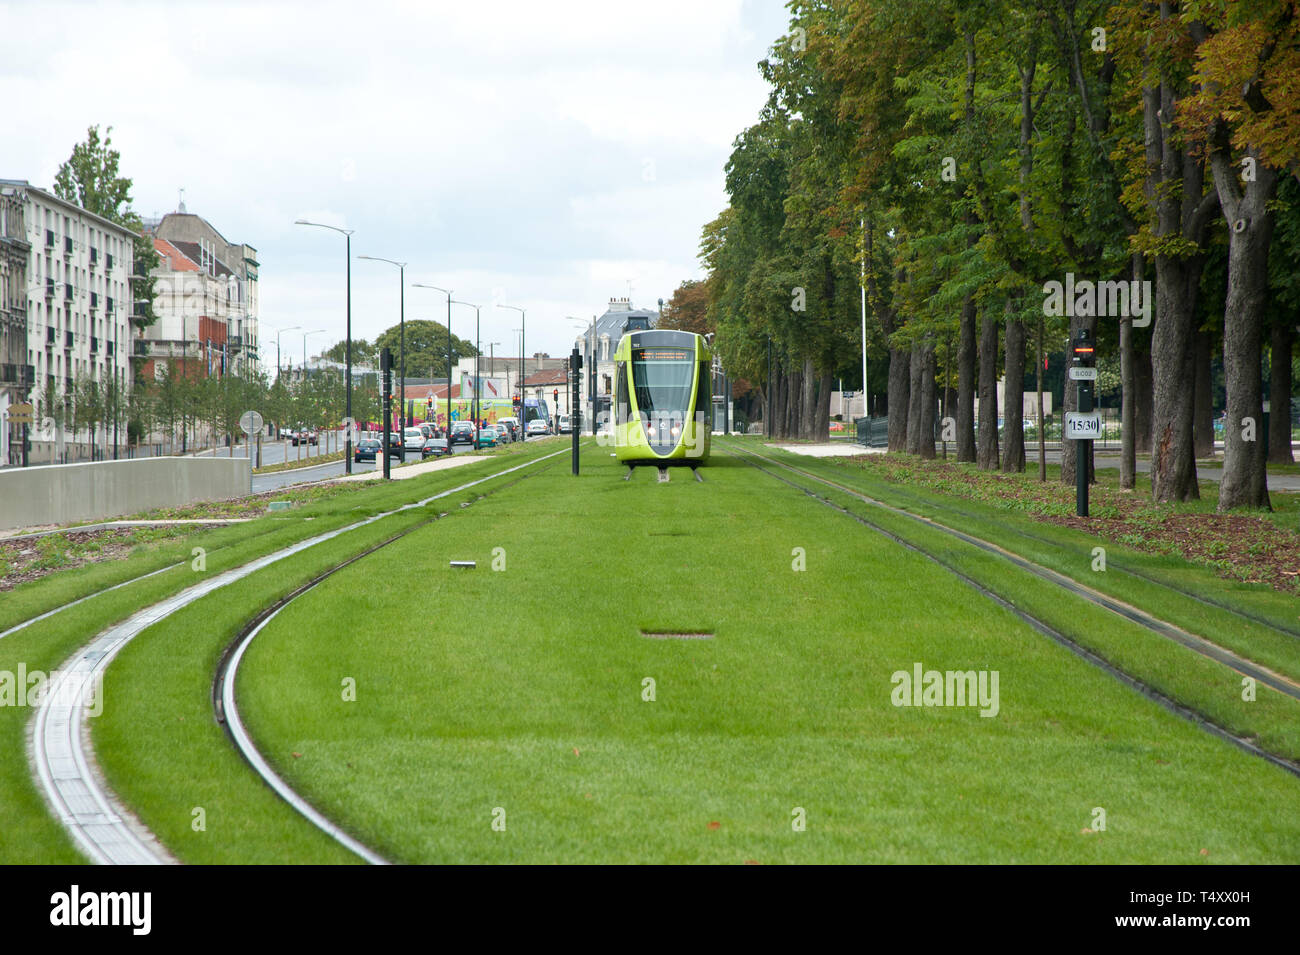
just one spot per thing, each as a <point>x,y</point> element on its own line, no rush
<point>60,753</point>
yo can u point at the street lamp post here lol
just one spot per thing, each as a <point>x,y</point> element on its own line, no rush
<point>477,380</point>
<point>523,324</point>
<point>291,328</point>
<point>401,347</point>
<point>347,450</point>
<point>447,292</point>
<point>305,336</point>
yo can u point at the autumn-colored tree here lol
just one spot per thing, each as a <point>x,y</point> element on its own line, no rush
<point>688,309</point>
<point>1245,111</point>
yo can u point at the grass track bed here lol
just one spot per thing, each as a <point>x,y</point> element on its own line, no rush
<point>536,707</point>
<point>30,833</point>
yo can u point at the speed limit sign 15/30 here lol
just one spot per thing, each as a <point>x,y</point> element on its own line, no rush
<point>1082,427</point>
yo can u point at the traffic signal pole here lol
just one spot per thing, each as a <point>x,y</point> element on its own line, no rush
<point>575,366</point>
<point>1083,370</point>
<point>386,366</point>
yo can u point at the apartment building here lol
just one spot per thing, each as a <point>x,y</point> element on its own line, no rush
<point>16,374</point>
<point>205,298</point>
<point>77,293</point>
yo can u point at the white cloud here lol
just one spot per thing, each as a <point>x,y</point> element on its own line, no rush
<point>491,145</point>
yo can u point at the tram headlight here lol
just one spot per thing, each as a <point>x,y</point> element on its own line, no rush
<point>650,430</point>
<point>677,429</point>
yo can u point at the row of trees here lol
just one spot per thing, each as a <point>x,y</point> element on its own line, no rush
<point>176,407</point>
<point>951,158</point>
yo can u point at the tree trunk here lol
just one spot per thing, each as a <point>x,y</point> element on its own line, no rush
<point>1281,339</point>
<point>966,383</point>
<point>793,390</point>
<point>1203,399</point>
<point>926,429</point>
<point>822,421</point>
<point>1143,386</point>
<point>1173,467</point>
<point>1174,185</point>
<point>807,401</point>
<point>1128,395</point>
<point>1042,421</point>
<point>1013,398</point>
<point>986,457</point>
<point>916,397</point>
<point>1245,478</point>
<point>898,400</point>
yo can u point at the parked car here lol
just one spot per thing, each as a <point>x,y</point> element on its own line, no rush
<point>462,432</point>
<point>366,449</point>
<point>566,424</point>
<point>435,448</point>
<point>538,426</point>
<point>414,439</point>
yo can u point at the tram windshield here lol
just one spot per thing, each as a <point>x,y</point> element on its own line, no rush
<point>663,378</point>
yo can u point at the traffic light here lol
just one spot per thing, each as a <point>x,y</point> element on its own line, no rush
<point>555,395</point>
<point>1084,348</point>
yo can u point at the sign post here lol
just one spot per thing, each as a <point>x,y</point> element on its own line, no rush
<point>386,366</point>
<point>250,422</point>
<point>575,366</point>
<point>1085,425</point>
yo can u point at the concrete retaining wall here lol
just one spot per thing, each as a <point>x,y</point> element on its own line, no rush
<point>62,493</point>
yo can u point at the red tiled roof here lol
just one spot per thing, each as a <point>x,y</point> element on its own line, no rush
<point>177,261</point>
<point>550,376</point>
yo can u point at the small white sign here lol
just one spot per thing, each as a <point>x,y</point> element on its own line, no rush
<point>250,422</point>
<point>1079,373</point>
<point>1082,427</point>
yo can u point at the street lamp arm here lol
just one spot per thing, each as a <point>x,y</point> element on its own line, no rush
<point>321,225</point>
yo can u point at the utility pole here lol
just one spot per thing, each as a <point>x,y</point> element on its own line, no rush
<point>575,366</point>
<point>386,369</point>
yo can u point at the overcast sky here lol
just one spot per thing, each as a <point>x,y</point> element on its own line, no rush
<point>540,154</point>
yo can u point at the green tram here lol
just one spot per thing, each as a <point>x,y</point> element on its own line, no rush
<point>663,402</point>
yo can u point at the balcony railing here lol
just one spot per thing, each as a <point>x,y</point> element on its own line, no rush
<point>20,375</point>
